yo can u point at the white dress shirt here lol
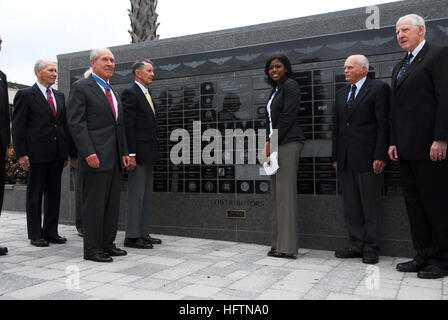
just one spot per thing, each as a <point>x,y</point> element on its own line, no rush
<point>112,94</point>
<point>43,89</point>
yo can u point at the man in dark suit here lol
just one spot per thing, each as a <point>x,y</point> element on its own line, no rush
<point>419,135</point>
<point>42,144</point>
<point>4,136</point>
<point>360,143</point>
<point>141,133</point>
<point>95,118</point>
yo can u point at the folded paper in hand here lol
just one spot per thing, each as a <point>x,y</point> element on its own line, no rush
<point>273,167</point>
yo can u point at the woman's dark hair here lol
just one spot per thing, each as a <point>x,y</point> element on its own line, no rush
<point>284,59</point>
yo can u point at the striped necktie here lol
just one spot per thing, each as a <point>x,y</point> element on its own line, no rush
<point>51,102</point>
<point>404,67</point>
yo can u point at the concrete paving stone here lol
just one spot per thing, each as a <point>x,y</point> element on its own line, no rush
<point>104,276</point>
<point>174,273</point>
<point>253,283</point>
<point>162,261</point>
<point>274,294</point>
<point>174,286</point>
<point>413,281</point>
<point>37,290</point>
<point>269,271</point>
<point>12,282</point>
<point>198,290</point>
<point>44,261</point>
<point>76,262</point>
<point>48,274</point>
<point>116,266</point>
<point>316,294</point>
<point>109,291</point>
<point>66,295</point>
<point>273,262</point>
<point>306,266</point>
<point>332,288</point>
<point>139,294</point>
<point>21,270</point>
<point>223,254</point>
<point>143,269</point>
<point>340,282</point>
<point>239,274</point>
<point>381,292</point>
<point>182,249</point>
<point>6,266</point>
<point>125,280</point>
<point>319,254</point>
<point>214,281</point>
<point>342,296</point>
<point>11,258</point>
<point>233,294</point>
<point>418,293</point>
<point>148,283</point>
<point>223,264</point>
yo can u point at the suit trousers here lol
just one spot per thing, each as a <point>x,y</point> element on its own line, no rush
<point>139,199</point>
<point>2,176</point>
<point>361,192</point>
<point>78,198</point>
<point>425,193</point>
<point>284,223</point>
<point>44,179</point>
<point>100,209</point>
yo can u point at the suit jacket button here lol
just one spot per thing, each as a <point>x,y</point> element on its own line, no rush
<point>348,124</point>
<point>55,138</point>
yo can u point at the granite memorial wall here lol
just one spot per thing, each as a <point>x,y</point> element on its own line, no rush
<point>226,89</point>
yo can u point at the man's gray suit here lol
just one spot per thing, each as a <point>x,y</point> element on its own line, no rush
<point>360,136</point>
<point>141,133</point>
<point>96,131</point>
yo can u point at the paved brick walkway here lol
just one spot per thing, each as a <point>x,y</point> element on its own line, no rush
<point>189,268</point>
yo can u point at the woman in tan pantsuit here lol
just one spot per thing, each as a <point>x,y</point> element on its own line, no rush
<point>282,125</point>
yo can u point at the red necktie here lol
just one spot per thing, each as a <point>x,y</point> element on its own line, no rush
<point>111,101</point>
<point>51,102</point>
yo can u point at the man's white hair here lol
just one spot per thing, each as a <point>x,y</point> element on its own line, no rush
<point>361,60</point>
<point>41,63</point>
<point>415,19</point>
<point>94,54</point>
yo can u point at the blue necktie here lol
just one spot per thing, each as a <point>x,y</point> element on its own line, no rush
<point>404,67</point>
<point>351,99</point>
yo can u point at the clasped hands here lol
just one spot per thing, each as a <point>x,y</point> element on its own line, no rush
<point>94,162</point>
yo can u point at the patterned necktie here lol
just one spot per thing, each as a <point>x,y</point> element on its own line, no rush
<point>351,100</point>
<point>148,97</point>
<point>111,101</point>
<point>404,67</point>
<point>51,102</point>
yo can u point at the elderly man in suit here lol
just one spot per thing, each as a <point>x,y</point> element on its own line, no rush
<point>419,135</point>
<point>360,144</point>
<point>141,132</point>
<point>95,118</point>
<point>4,136</point>
<point>42,144</point>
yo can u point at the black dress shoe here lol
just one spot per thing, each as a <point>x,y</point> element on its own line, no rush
<point>99,257</point>
<point>39,243</point>
<point>137,243</point>
<point>115,252</point>
<point>411,266</point>
<point>56,239</point>
<point>149,239</point>
<point>370,257</point>
<point>348,253</point>
<point>3,251</point>
<point>271,251</point>
<point>276,254</point>
<point>432,272</point>
<point>80,233</point>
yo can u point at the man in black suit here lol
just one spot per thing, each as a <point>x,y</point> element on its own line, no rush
<point>419,135</point>
<point>141,133</point>
<point>4,136</point>
<point>42,144</point>
<point>360,143</point>
<point>95,118</point>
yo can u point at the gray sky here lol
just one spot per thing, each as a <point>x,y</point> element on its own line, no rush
<point>43,29</point>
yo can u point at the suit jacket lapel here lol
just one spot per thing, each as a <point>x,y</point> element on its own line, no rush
<point>40,99</point>
<point>141,96</point>
<point>99,92</point>
<point>361,94</point>
<point>419,58</point>
<point>59,105</point>
<point>343,101</point>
